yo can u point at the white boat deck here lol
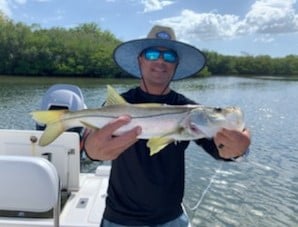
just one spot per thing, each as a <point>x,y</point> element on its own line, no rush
<point>84,207</point>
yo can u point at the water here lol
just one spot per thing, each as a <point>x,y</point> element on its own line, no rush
<point>261,191</point>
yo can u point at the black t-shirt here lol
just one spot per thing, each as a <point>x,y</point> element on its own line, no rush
<point>144,189</point>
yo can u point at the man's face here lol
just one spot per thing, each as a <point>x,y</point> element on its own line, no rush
<point>158,65</point>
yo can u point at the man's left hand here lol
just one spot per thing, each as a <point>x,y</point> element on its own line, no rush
<point>232,143</point>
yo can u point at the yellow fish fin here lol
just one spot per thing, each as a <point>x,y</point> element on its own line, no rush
<point>47,116</point>
<point>114,98</point>
<point>87,125</point>
<point>53,122</point>
<point>158,143</point>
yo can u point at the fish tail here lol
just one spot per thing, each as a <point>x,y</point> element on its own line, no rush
<point>54,124</point>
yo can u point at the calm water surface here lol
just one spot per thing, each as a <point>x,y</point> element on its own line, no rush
<point>261,191</point>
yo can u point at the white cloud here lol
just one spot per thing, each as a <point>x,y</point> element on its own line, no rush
<point>6,5</point>
<point>265,18</point>
<point>272,16</point>
<point>205,26</point>
<point>5,8</point>
<point>154,5</point>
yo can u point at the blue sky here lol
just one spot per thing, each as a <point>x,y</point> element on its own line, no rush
<point>230,27</point>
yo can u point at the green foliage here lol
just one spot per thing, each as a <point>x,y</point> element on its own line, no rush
<point>86,50</point>
<point>250,65</point>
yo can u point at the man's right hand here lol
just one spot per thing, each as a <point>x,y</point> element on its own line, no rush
<point>102,145</point>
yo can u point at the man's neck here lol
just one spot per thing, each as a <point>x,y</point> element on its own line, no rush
<point>154,90</point>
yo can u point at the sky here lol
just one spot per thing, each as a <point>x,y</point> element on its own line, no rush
<point>228,27</point>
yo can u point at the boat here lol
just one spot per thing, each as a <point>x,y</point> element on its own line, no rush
<point>45,186</point>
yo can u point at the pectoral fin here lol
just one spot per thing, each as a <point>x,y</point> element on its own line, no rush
<point>158,143</point>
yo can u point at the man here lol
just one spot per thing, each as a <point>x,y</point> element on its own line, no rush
<point>148,190</point>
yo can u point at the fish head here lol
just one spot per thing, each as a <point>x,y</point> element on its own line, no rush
<point>207,121</point>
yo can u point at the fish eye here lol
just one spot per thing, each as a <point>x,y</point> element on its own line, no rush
<point>218,109</point>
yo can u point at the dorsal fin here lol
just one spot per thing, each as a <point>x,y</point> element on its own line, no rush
<point>114,98</point>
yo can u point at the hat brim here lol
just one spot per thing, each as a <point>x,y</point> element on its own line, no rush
<point>191,60</point>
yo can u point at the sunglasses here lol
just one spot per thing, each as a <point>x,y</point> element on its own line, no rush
<point>152,54</point>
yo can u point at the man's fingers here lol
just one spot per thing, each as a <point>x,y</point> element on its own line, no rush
<point>112,126</point>
<point>116,145</point>
<point>131,135</point>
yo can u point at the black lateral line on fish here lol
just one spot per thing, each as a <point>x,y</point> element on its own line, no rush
<point>138,117</point>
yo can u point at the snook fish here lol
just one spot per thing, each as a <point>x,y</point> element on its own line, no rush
<point>161,124</point>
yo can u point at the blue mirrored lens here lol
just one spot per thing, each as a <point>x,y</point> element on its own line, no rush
<point>167,55</point>
<point>152,55</point>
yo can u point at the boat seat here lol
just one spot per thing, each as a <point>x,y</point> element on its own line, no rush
<point>63,153</point>
<point>29,184</point>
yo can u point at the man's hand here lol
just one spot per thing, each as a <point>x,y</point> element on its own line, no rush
<point>232,143</point>
<point>102,145</point>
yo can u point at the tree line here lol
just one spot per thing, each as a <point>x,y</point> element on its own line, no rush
<point>86,50</point>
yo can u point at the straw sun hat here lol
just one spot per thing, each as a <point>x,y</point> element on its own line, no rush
<point>191,60</point>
